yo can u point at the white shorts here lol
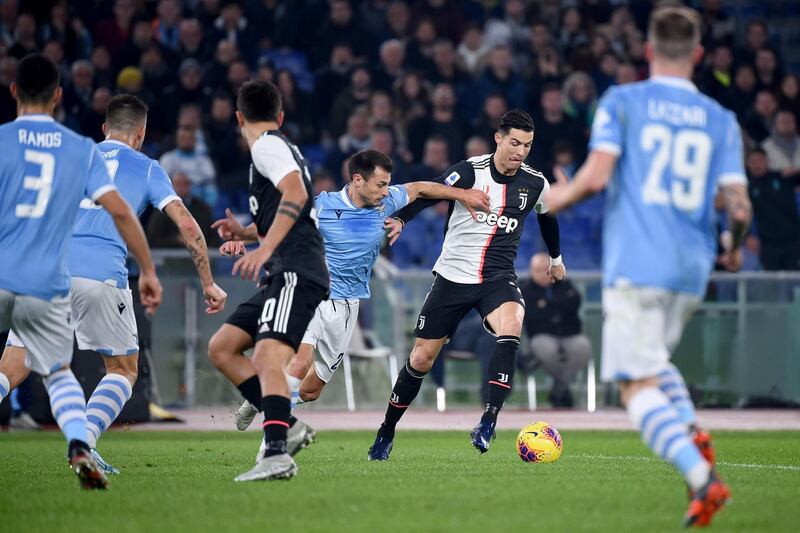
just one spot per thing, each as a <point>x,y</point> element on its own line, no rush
<point>42,326</point>
<point>330,332</point>
<point>103,318</point>
<point>641,328</point>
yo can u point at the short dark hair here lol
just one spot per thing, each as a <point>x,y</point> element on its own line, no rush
<point>37,79</point>
<point>259,101</point>
<point>757,150</point>
<point>366,161</point>
<point>516,119</point>
<point>125,112</point>
<point>674,31</point>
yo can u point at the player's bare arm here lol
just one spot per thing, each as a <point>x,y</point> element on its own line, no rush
<point>740,214</point>
<point>195,243</point>
<point>591,178</point>
<point>230,229</point>
<point>131,231</point>
<point>473,199</point>
<point>293,198</point>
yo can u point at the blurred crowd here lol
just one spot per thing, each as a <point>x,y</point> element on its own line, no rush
<point>422,80</point>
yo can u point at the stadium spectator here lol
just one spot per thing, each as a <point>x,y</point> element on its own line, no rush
<point>392,64</point>
<point>434,160</point>
<point>233,26</point>
<point>494,107</point>
<point>398,19</point>
<point>383,140</point>
<point>552,125</point>
<point>103,71</point>
<point>718,26</point>
<point>476,146</point>
<point>446,69</point>
<point>743,93</point>
<point>229,154</point>
<point>446,15</point>
<point>113,32</point>
<point>758,122</point>
<point>411,96</point>
<point>500,77</point>
<point>297,123</point>
<point>511,30</point>
<point>78,94</point>
<point>580,98</point>
<point>157,73</point>
<point>716,80</point>
<point>783,145</point>
<point>25,41</point>
<point>554,329</point>
<point>162,232</point>
<point>789,96</point>
<point>356,138</point>
<point>419,50</point>
<point>216,72</point>
<point>8,17</point>
<point>756,38</point>
<point>166,26</point>
<point>188,90</point>
<point>340,27</point>
<point>8,72</point>
<point>198,167</point>
<point>604,73</point>
<point>322,181</point>
<point>355,95</point>
<point>626,73</point>
<point>92,119</point>
<point>443,121</point>
<point>472,51</point>
<point>238,74</point>
<point>141,39</point>
<point>775,212</point>
<point>191,42</point>
<point>331,80</point>
<point>767,72</point>
<point>573,36</point>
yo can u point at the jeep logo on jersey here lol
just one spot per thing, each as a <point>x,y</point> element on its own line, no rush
<point>452,179</point>
<point>503,222</point>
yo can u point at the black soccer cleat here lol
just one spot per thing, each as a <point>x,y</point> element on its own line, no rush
<point>89,474</point>
<point>482,436</point>
<point>381,448</point>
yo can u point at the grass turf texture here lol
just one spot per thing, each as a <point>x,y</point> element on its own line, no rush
<point>435,481</point>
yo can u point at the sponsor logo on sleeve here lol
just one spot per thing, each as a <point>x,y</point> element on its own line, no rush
<point>452,179</point>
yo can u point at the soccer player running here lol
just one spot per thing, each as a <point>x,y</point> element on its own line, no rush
<point>352,224</point>
<point>291,250</point>
<point>476,270</point>
<point>46,171</point>
<point>102,305</point>
<point>666,150</point>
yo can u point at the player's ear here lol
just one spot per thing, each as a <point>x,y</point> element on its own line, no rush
<point>280,118</point>
<point>56,97</point>
<point>497,137</point>
<point>104,129</point>
<point>698,54</point>
<point>13,90</point>
<point>648,51</point>
<point>239,118</point>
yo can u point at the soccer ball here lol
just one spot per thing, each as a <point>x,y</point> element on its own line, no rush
<point>539,443</point>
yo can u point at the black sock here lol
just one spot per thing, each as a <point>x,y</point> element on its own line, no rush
<point>76,446</point>
<point>501,374</point>
<point>251,391</point>
<point>405,390</point>
<point>276,422</point>
<point>292,420</point>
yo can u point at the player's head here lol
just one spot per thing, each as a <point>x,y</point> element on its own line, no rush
<point>674,36</point>
<point>370,173</point>
<point>259,101</point>
<point>126,120</point>
<point>514,138</point>
<point>37,83</point>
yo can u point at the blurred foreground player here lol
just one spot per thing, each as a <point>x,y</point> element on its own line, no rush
<point>665,150</point>
<point>46,171</point>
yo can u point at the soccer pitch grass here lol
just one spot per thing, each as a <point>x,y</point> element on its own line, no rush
<point>435,481</point>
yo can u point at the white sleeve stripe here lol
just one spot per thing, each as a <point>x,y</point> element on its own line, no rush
<point>101,191</point>
<point>732,178</point>
<point>542,195</point>
<point>168,200</point>
<point>607,147</point>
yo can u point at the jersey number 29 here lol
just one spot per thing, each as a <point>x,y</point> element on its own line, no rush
<point>688,154</point>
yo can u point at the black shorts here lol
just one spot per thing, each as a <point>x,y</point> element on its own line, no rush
<point>448,302</point>
<point>281,309</point>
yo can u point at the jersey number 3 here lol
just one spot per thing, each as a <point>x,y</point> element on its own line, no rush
<point>688,153</point>
<point>42,184</point>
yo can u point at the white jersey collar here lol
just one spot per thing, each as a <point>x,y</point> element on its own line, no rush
<point>346,197</point>
<point>36,117</point>
<point>675,81</point>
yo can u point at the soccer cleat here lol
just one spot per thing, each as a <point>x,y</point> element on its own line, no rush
<point>707,502</point>
<point>268,468</point>
<point>702,440</point>
<point>89,474</point>
<point>380,449</point>
<point>245,415</point>
<point>23,422</point>
<point>104,466</point>
<point>482,436</point>
<point>299,436</point>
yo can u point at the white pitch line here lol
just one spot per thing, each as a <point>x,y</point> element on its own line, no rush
<point>792,468</point>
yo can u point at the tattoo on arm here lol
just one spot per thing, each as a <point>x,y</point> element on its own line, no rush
<point>292,205</point>
<point>195,244</point>
<point>289,209</point>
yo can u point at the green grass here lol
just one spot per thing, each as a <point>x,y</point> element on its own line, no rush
<point>434,482</point>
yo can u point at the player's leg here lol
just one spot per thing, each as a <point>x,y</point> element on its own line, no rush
<point>503,310</point>
<point>12,366</point>
<point>44,329</point>
<point>226,352</point>
<point>289,307</point>
<point>634,353</point>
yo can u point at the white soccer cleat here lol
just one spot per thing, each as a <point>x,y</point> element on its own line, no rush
<point>268,468</point>
<point>245,415</point>
<point>299,436</point>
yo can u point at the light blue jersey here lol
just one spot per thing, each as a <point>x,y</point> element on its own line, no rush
<point>676,146</point>
<point>353,238</point>
<point>98,251</point>
<point>45,171</point>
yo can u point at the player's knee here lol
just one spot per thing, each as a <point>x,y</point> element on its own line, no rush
<point>310,394</point>
<point>422,358</point>
<point>217,352</point>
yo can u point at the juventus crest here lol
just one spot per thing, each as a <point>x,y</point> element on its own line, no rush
<point>523,199</point>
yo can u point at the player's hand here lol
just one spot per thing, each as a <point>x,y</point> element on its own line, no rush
<point>249,266</point>
<point>557,273</point>
<point>215,298</point>
<point>150,292</point>
<point>233,248</point>
<point>395,227</point>
<point>228,228</point>
<point>732,260</point>
<point>475,200</point>
<point>556,198</point>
